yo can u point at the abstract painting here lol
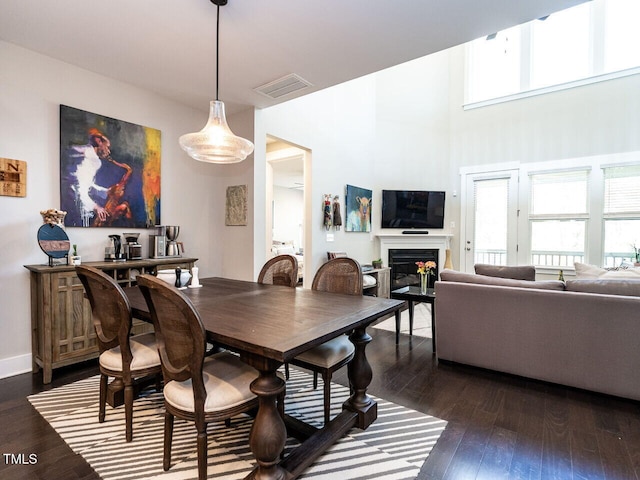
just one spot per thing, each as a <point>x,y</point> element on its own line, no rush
<point>358,209</point>
<point>109,171</point>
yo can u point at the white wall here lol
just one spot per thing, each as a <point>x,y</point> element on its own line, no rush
<point>32,87</point>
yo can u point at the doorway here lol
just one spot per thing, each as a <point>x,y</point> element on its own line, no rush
<point>288,169</point>
<point>490,219</point>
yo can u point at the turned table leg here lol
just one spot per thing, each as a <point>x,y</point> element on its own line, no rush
<point>360,375</point>
<point>268,433</point>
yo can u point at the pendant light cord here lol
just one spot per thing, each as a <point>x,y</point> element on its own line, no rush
<point>217,48</point>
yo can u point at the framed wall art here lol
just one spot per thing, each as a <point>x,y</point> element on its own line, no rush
<point>358,205</point>
<point>236,206</point>
<point>13,177</point>
<point>109,171</point>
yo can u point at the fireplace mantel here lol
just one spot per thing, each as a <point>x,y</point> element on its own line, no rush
<point>439,241</point>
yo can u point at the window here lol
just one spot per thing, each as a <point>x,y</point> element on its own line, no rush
<point>621,214</point>
<point>560,47</point>
<point>621,35</point>
<point>496,64</point>
<point>558,217</point>
<point>584,42</point>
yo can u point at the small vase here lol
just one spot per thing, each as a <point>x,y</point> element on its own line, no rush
<point>424,282</point>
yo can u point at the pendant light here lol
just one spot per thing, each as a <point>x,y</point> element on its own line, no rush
<point>216,143</point>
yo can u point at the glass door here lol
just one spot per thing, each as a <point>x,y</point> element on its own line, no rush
<point>490,217</point>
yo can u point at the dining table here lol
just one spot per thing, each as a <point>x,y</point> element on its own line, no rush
<point>269,325</point>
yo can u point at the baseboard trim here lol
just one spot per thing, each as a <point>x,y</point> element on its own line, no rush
<point>12,366</point>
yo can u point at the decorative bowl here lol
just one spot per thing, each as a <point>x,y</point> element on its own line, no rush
<point>169,276</point>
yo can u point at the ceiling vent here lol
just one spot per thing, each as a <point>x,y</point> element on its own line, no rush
<point>283,86</point>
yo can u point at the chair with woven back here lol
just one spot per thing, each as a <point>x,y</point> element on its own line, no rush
<point>344,276</point>
<point>280,270</point>
<point>122,356</point>
<point>195,389</point>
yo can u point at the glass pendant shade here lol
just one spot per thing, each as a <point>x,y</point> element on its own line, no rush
<point>216,143</point>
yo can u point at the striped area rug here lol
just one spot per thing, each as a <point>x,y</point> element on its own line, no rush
<point>394,447</point>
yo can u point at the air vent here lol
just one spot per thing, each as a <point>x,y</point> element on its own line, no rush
<point>283,86</point>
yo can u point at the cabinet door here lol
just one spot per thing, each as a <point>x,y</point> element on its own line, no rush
<point>73,332</point>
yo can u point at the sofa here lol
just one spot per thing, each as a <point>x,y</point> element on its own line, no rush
<point>581,333</point>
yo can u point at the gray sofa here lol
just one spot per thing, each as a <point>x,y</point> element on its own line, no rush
<point>582,333</point>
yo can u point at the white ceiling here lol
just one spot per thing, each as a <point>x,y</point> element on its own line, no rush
<point>168,46</point>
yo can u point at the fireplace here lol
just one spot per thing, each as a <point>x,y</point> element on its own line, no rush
<point>404,270</point>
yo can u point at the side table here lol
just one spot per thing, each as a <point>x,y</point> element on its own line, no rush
<point>411,295</point>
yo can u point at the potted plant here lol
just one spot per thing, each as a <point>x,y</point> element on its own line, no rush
<point>377,263</point>
<point>75,259</point>
<point>636,255</point>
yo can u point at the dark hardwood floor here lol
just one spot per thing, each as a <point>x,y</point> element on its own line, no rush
<point>500,426</point>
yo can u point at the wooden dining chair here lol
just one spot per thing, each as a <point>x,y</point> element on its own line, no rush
<point>195,389</point>
<point>122,356</point>
<point>280,270</point>
<point>340,275</point>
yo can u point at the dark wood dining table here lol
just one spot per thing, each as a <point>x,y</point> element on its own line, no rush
<point>269,325</point>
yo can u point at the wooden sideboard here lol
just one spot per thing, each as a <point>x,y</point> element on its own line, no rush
<point>62,332</point>
<point>382,287</point>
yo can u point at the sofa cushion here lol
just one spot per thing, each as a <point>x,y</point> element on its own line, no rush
<point>608,286</point>
<point>525,272</point>
<point>454,276</point>
<point>584,270</point>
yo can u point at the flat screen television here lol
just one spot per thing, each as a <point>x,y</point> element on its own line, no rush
<point>412,209</point>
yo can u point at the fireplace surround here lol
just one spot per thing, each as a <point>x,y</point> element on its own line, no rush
<point>435,244</point>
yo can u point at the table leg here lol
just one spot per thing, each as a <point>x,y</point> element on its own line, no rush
<point>360,375</point>
<point>410,317</point>
<point>433,327</point>
<point>268,433</point>
<point>398,313</point>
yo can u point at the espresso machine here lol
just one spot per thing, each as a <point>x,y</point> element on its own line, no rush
<point>132,249</point>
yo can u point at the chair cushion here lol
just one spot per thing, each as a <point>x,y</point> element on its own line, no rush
<point>329,353</point>
<point>226,380</point>
<point>144,351</point>
<point>368,280</point>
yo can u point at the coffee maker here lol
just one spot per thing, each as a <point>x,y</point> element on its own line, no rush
<point>158,242</point>
<point>132,249</point>
<point>113,253</point>
<point>173,247</point>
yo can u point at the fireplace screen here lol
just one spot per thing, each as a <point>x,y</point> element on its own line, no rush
<point>404,270</point>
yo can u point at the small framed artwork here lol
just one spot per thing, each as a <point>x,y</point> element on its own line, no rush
<point>13,177</point>
<point>109,171</point>
<point>358,205</point>
<point>236,206</point>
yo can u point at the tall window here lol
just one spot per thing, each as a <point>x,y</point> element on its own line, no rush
<point>560,47</point>
<point>586,41</point>
<point>496,65</point>
<point>558,217</point>
<point>621,213</point>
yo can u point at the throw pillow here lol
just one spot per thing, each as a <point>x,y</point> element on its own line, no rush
<point>584,270</point>
<point>609,286</point>
<point>525,272</point>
